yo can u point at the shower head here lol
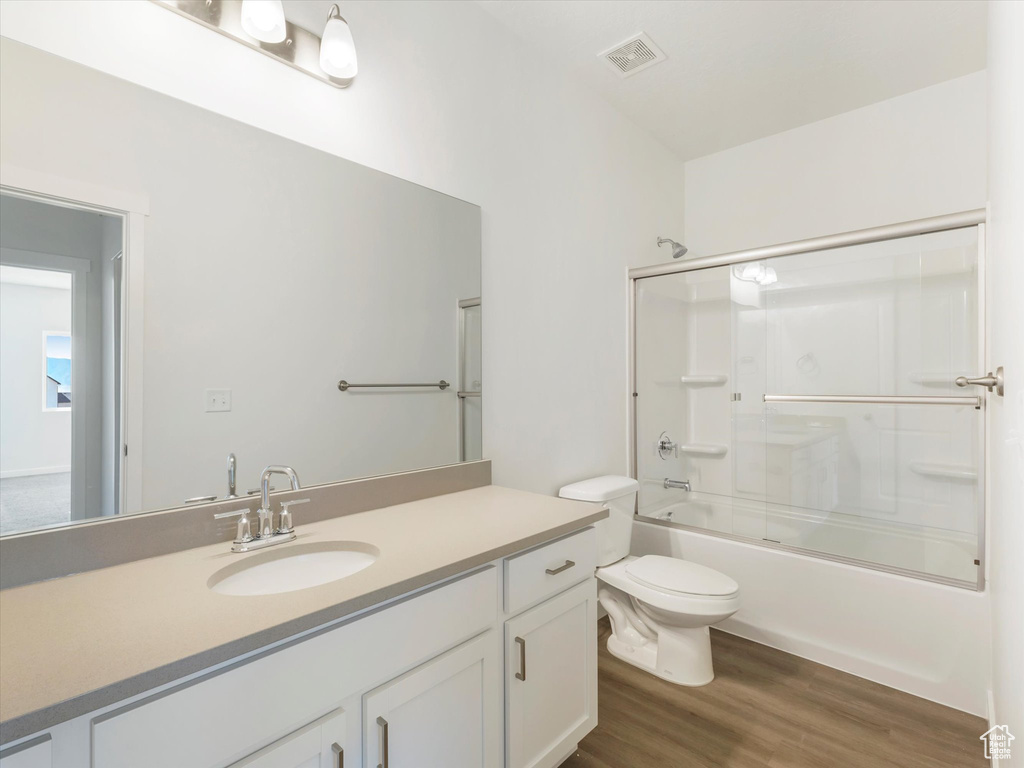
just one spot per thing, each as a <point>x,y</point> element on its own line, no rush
<point>678,249</point>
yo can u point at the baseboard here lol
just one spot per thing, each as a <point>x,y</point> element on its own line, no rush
<point>836,659</point>
<point>32,472</point>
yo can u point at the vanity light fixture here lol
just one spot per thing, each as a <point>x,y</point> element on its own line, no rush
<point>262,26</point>
<point>264,20</point>
<point>337,49</point>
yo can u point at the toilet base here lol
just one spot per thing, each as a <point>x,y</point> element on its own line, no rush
<point>680,656</point>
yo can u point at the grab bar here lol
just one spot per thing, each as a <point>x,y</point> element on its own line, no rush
<point>974,402</point>
<point>345,386</point>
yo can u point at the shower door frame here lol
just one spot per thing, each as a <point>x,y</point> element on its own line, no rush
<point>951,221</point>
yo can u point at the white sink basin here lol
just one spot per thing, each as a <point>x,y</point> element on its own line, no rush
<point>293,567</point>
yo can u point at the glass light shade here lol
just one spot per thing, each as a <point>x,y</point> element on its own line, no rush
<point>337,49</point>
<point>264,20</point>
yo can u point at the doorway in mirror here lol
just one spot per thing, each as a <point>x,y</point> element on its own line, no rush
<point>60,363</point>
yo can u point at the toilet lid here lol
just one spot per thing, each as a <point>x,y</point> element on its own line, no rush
<point>673,575</point>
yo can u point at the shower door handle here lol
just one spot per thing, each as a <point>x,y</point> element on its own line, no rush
<point>989,381</point>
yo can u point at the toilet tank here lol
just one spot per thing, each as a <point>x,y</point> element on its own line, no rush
<point>619,495</point>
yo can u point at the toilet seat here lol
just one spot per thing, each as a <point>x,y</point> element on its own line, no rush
<point>671,574</point>
<point>673,600</point>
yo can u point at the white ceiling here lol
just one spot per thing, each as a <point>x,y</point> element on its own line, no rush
<point>738,70</point>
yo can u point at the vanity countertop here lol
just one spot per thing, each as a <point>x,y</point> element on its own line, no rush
<point>82,642</point>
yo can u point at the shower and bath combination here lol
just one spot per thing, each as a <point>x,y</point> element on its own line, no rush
<point>678,249</point>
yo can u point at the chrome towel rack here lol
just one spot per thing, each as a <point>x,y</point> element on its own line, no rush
<point>344,386</point>
<point>974,402</point>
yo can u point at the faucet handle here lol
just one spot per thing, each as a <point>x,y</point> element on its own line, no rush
<point>234,513</point>
<point>285,521</point>
<point>244,532</point>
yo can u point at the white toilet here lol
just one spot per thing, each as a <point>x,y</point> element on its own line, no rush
<point>660,607</point>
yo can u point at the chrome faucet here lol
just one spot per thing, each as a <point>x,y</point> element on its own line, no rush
<point>681,484</point>
<point>232,469</point>
<point>265,513</point>
<point>266,534</point>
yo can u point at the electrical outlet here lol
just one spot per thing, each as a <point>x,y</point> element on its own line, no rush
<point>218,400</point>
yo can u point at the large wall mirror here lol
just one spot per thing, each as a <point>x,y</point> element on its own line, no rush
<point>177,288</point>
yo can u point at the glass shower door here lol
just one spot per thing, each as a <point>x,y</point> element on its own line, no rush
<point>896,482</point>
<point>809,401</point>
<point>700,375</point>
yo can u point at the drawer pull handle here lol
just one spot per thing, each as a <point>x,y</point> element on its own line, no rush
<point>336,748</point>
<point>552,571</point>
<point>382,726</point>
<point>521,675</point>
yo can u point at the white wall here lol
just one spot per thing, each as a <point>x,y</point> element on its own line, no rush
<point>32,441</point>
<point>922,154</point>
<point>1006,415</point>
<point>572,192</point>
<point>918,155</point>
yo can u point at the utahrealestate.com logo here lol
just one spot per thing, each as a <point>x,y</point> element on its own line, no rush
<point>997,742</point>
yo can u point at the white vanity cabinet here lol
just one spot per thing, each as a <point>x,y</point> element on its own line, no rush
<point>443,714</point>
<point>494,668</point>
<point>318,745</point>
<point>550,651</point>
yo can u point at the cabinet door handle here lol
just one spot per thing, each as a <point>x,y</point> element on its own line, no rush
<point>552,571</point>
<point>337,750</point>
<point>521,675</point>
<point>382,729</point>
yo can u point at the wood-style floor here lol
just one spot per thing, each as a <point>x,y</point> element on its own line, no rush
<point>768,709</point>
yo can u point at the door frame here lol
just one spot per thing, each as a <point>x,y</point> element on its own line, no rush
<point>131,208</point>
<point>461,390</point>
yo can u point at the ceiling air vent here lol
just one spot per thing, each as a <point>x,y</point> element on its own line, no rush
<point>637,53</point>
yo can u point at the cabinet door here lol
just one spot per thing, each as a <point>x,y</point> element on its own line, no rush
<point>551,677</point>
<point>443,714</point>
<point>318,745</point>
<point>38,755</point>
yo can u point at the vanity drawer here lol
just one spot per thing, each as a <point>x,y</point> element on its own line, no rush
<point>540,573</point>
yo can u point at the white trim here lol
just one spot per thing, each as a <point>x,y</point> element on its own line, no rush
<point>72,192</point>
<point>132,351</point>
<point>33,472</point>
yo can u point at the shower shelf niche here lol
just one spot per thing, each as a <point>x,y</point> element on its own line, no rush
<point>704,449</point>
<point>704,381</point>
